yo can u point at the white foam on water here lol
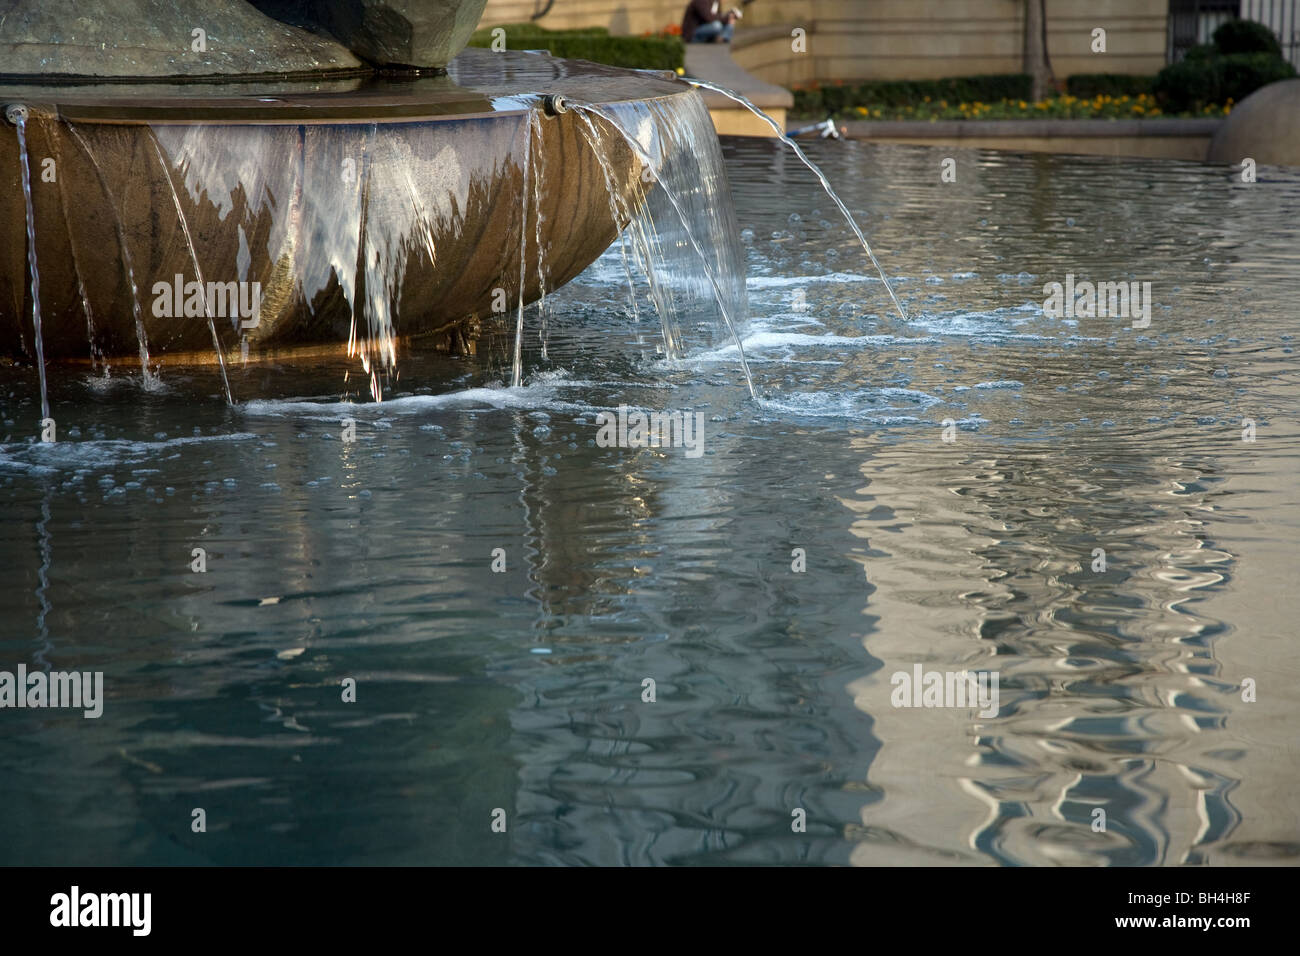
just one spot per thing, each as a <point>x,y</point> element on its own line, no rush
<point>994,323</point>
<point>1004,383</point>
<point>764,340</point>
<point>526,397</point>
<point>98,453</point>
<point>783,282</point>
<point>879,406</point>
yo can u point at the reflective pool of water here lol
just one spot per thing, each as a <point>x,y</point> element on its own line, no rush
<point>1069,503</point>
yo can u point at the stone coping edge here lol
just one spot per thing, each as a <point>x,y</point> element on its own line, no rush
<point>948,129</point>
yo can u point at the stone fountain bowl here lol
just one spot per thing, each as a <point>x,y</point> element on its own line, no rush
<point>364,214</point>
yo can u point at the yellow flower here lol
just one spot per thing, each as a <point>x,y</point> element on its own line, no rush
<point>681,71</point>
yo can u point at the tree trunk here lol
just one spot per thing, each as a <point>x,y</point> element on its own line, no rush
<point>1037,63</point>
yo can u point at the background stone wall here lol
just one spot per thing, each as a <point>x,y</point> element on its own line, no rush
<point>891,39</point>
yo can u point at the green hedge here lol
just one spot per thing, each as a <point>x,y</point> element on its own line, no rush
<point>1245,36</point>
<point>514,30</point>
<point>821,100</point>
<point>1086,86</point>
<point>592,43</point>
<point>1244,57</point>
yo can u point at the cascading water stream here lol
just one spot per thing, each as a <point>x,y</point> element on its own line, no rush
<point>517,368</point>
<point>539,170</point>
<point>127,264</point>
<point>95,355</point>
<point>198,274</point>
<point>776,127</point>
<point>641,242</point>
<point>18,116</point>
<point>588,110</point>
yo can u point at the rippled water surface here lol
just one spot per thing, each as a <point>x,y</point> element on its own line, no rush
<point>1121,689</point>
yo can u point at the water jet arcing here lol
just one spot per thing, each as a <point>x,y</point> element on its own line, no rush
<point>816,171</point>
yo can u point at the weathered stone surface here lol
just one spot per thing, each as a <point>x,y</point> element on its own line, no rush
<point>418,33</point>
<point>154,38</point>
<point>1265,127</point>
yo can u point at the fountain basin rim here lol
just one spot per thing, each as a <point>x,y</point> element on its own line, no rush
<point>190,115</point>
<point>478,85</point>
<point>234,358</point>
<point>256,111</point>
<point>212,79</point>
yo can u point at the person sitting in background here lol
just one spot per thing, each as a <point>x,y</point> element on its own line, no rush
<point>703,22</point>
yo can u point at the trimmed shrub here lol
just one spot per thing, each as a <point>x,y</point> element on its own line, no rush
<point>526,30</point>
<point>838,98</point>
<point>1202,51</point>
<point>1086,86</point>
<point>1189,85</point>
<point>1245,36</point>
<point>1244,73</point>
<point>594,44</point>
<point>633,53</point>
<point>807,102</point>
<point>956,89</point>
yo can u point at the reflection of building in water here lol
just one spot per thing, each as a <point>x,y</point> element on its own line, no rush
<point>605,773</point>
<point>1118,689</point>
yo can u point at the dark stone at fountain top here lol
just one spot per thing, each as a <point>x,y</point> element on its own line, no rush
<point>397,33</point>
<point>134,39</point>
<point>477,82</point>
<point>154,38</point>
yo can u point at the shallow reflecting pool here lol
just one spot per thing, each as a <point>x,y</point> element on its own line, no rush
<point>1104,517</point>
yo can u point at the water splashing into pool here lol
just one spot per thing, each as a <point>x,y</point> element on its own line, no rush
<point>18,116</point>
<point>517,368</point>
<point>538,174</point>
<point>128,267</point>
<point>684,232</point>
<point>198,273</point>
<point>816,171</point>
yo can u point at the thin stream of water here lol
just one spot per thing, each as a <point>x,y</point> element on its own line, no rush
<point>198,273</point>
<point>816,170</point>
<point>517,369</point>
<point>142,338</point>
<point>19,117</point>
<point>534,122</point>
<point>95,354</point>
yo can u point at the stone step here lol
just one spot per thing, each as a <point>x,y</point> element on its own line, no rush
<point>712,62</point>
